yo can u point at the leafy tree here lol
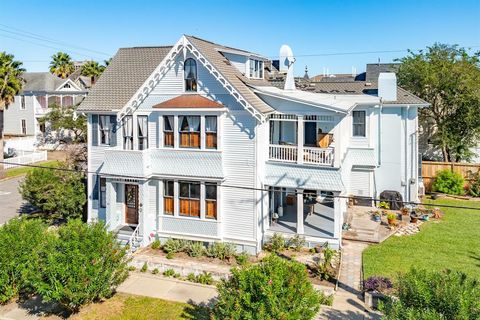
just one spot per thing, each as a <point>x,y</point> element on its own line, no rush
<point>53,191</point>
<point>20,242</point>
<point>274,289</point>
<point>447,77</point>
<point>66,118</point>
<point>83,264</point>
<point>93,70</point>
<point>434,295</point>
<point>61,65</point>
<point>11,83</point>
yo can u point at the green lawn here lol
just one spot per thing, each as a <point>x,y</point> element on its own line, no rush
<point>17,171</point>
<point>453,243</point>
<point>125,307</point>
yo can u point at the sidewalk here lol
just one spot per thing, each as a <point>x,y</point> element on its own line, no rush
<point>149,285</point>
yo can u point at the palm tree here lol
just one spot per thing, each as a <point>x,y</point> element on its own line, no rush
<point>107,62</point>
<point>93,70</point>
<point>61,65</point>
<point>11,83</point>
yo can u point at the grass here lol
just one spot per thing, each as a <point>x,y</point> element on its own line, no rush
<point>452,243</point>
<point>123,307</point>
<point>18,171</point>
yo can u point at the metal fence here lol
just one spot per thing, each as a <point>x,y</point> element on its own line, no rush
<point>25,158</point>
<point>430,169</point>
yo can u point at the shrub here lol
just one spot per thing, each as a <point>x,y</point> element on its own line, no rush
<point>448,182</point>
<point>155,271</point>
<point>204,278</point>
<point>474,188</point>
<point>175,245</point>
<point>323,267</point>
<point>170,255</point>
<point>195,249</point>
<point>273,289</point>
<point>434,295</point>
<point>297,242</point>
<point>378,284</point>
<point>81,264</point>
<point>131,268</point>
<point>221,250</point>
<point>20,242</point>
<point>191,277</point>
<point>242,258</point>
<point>156,244</point>
<point>55,192</point>
<point>169,273</point>
<point>144,267</point>
<point>276,243</point>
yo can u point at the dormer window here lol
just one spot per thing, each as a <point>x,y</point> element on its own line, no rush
<point>190,72</point>
<point>256,69</point>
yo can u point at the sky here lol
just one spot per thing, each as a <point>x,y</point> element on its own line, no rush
<point>333,35</point>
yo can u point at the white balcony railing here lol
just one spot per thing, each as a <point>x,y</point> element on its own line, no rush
<point>311,155</point>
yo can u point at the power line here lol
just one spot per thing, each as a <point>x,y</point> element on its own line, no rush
<point>85,172</point>
<point>32,35</point>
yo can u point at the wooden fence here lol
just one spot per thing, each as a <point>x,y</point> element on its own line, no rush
<point>430,168</point>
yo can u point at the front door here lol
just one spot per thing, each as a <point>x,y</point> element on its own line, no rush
<point>310,137</point>
<point>131,204</point>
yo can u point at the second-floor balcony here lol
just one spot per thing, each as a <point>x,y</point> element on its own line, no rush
<point>302,139</point>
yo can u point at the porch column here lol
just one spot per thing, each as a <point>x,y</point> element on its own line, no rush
<point>337,216</point>
<point>300,139</point>
<point>300,229</point>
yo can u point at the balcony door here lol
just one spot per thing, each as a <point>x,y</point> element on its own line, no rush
<point>131,204</point>
<point>310,130</point>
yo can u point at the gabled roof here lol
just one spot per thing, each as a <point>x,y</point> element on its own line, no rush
<point>129,69</point>
<point>40,82</point>
<point>188,101</point>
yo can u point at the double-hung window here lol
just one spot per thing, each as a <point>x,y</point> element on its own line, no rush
<point>168,131</point>
<point>103,192</point>
<point>22,102</point>
<point>104,129</point>
<point>190,199</point>
<point>142,132</point>
<point>128,133</point>
<point>189,131</point>
<point>256,68</point>
<point>211,132</point>
<point>168,194</point>
<point>24,126</point>
<point>359,123</point>
<point>210,200</point>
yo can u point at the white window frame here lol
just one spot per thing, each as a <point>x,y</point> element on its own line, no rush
<point>22,103</point>
<point>101,129</point>
<point>22,121</point>
<point>255,68</point>
<point>127,136</point>
<point>364,124</point>
<point>143,138</point>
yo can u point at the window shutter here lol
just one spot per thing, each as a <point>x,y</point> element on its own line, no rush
<point>113,131</point>
<point>95,188</point>
<point>95,130</point>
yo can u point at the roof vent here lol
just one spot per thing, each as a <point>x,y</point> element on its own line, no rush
<point>387,86</point>
<point>286,65</point>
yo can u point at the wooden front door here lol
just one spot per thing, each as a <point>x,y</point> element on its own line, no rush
<point>131,204</point>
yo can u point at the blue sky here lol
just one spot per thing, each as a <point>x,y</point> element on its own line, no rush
<point>309,27</point>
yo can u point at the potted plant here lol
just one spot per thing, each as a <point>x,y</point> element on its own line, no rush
<point>413,217</point>
<point>405,211</point>
<point>375,290</point>
<point>384,205</point>
<point>391,218</point>
<point>377,217</point>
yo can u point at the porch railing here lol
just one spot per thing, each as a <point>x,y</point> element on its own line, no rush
<point>133,241</point>
<point>283,153</point>
<point>322,156</point>
<point>311,155</point>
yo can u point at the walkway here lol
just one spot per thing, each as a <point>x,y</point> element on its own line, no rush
<point>348,302</point>
<point>10,199</point>
<point>144,284</point>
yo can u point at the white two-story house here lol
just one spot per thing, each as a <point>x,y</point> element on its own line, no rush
<point>192,141</point>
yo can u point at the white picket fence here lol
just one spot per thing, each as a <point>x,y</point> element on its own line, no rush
<point>25,158</point>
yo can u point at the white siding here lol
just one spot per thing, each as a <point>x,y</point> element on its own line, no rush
<point>13,115</point>
<point>360,183</point>
<point>238,61</point>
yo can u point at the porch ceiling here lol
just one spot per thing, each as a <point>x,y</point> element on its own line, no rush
<point>303,177</point>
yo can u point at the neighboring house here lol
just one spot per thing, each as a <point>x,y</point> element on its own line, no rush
<point>190,141</point>
<point>41,89</point>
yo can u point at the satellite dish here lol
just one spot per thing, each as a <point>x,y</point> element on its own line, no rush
<point>286,58</point>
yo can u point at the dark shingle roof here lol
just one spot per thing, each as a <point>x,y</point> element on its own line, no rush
<point>129,69</point>
<point>40,81</point>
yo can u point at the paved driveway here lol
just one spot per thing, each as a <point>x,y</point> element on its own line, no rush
<point>10,199</point>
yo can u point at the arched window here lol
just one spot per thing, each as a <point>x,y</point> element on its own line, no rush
<point>190,73</point>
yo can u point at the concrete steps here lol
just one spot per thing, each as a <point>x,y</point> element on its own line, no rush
<point>124,233</point>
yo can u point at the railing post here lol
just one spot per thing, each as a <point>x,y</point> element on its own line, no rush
<point>300,138</point>
<point>300,228</point>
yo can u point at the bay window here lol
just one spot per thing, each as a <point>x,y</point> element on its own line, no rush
<point>168,131</point>
<point>128,133</point>
<point>142,132</point>
<point>210,200</point>
<point>190,199</point>
<point>189,131</point>
<point>211,132</point>
<point>168,193</point>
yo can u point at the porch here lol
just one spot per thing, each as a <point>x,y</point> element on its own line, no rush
<point>302,139</point>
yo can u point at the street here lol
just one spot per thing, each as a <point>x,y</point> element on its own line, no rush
<point>10,199</point>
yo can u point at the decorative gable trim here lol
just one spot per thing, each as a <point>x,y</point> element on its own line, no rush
<point>164,66</point>
<point>71,83</point>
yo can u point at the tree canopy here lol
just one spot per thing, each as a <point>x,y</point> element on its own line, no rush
<point>93,70</point>
<point>61,65</point>
<point>10,78</point>
<point>447,77</point>
<point>65,118</point>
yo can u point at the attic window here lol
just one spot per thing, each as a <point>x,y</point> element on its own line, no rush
<point>190,73</point>
<point>256,69</point>
<point>67,86</point>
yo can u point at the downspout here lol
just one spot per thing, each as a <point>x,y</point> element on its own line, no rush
<point>407,183</point>
<point>379,138</point>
